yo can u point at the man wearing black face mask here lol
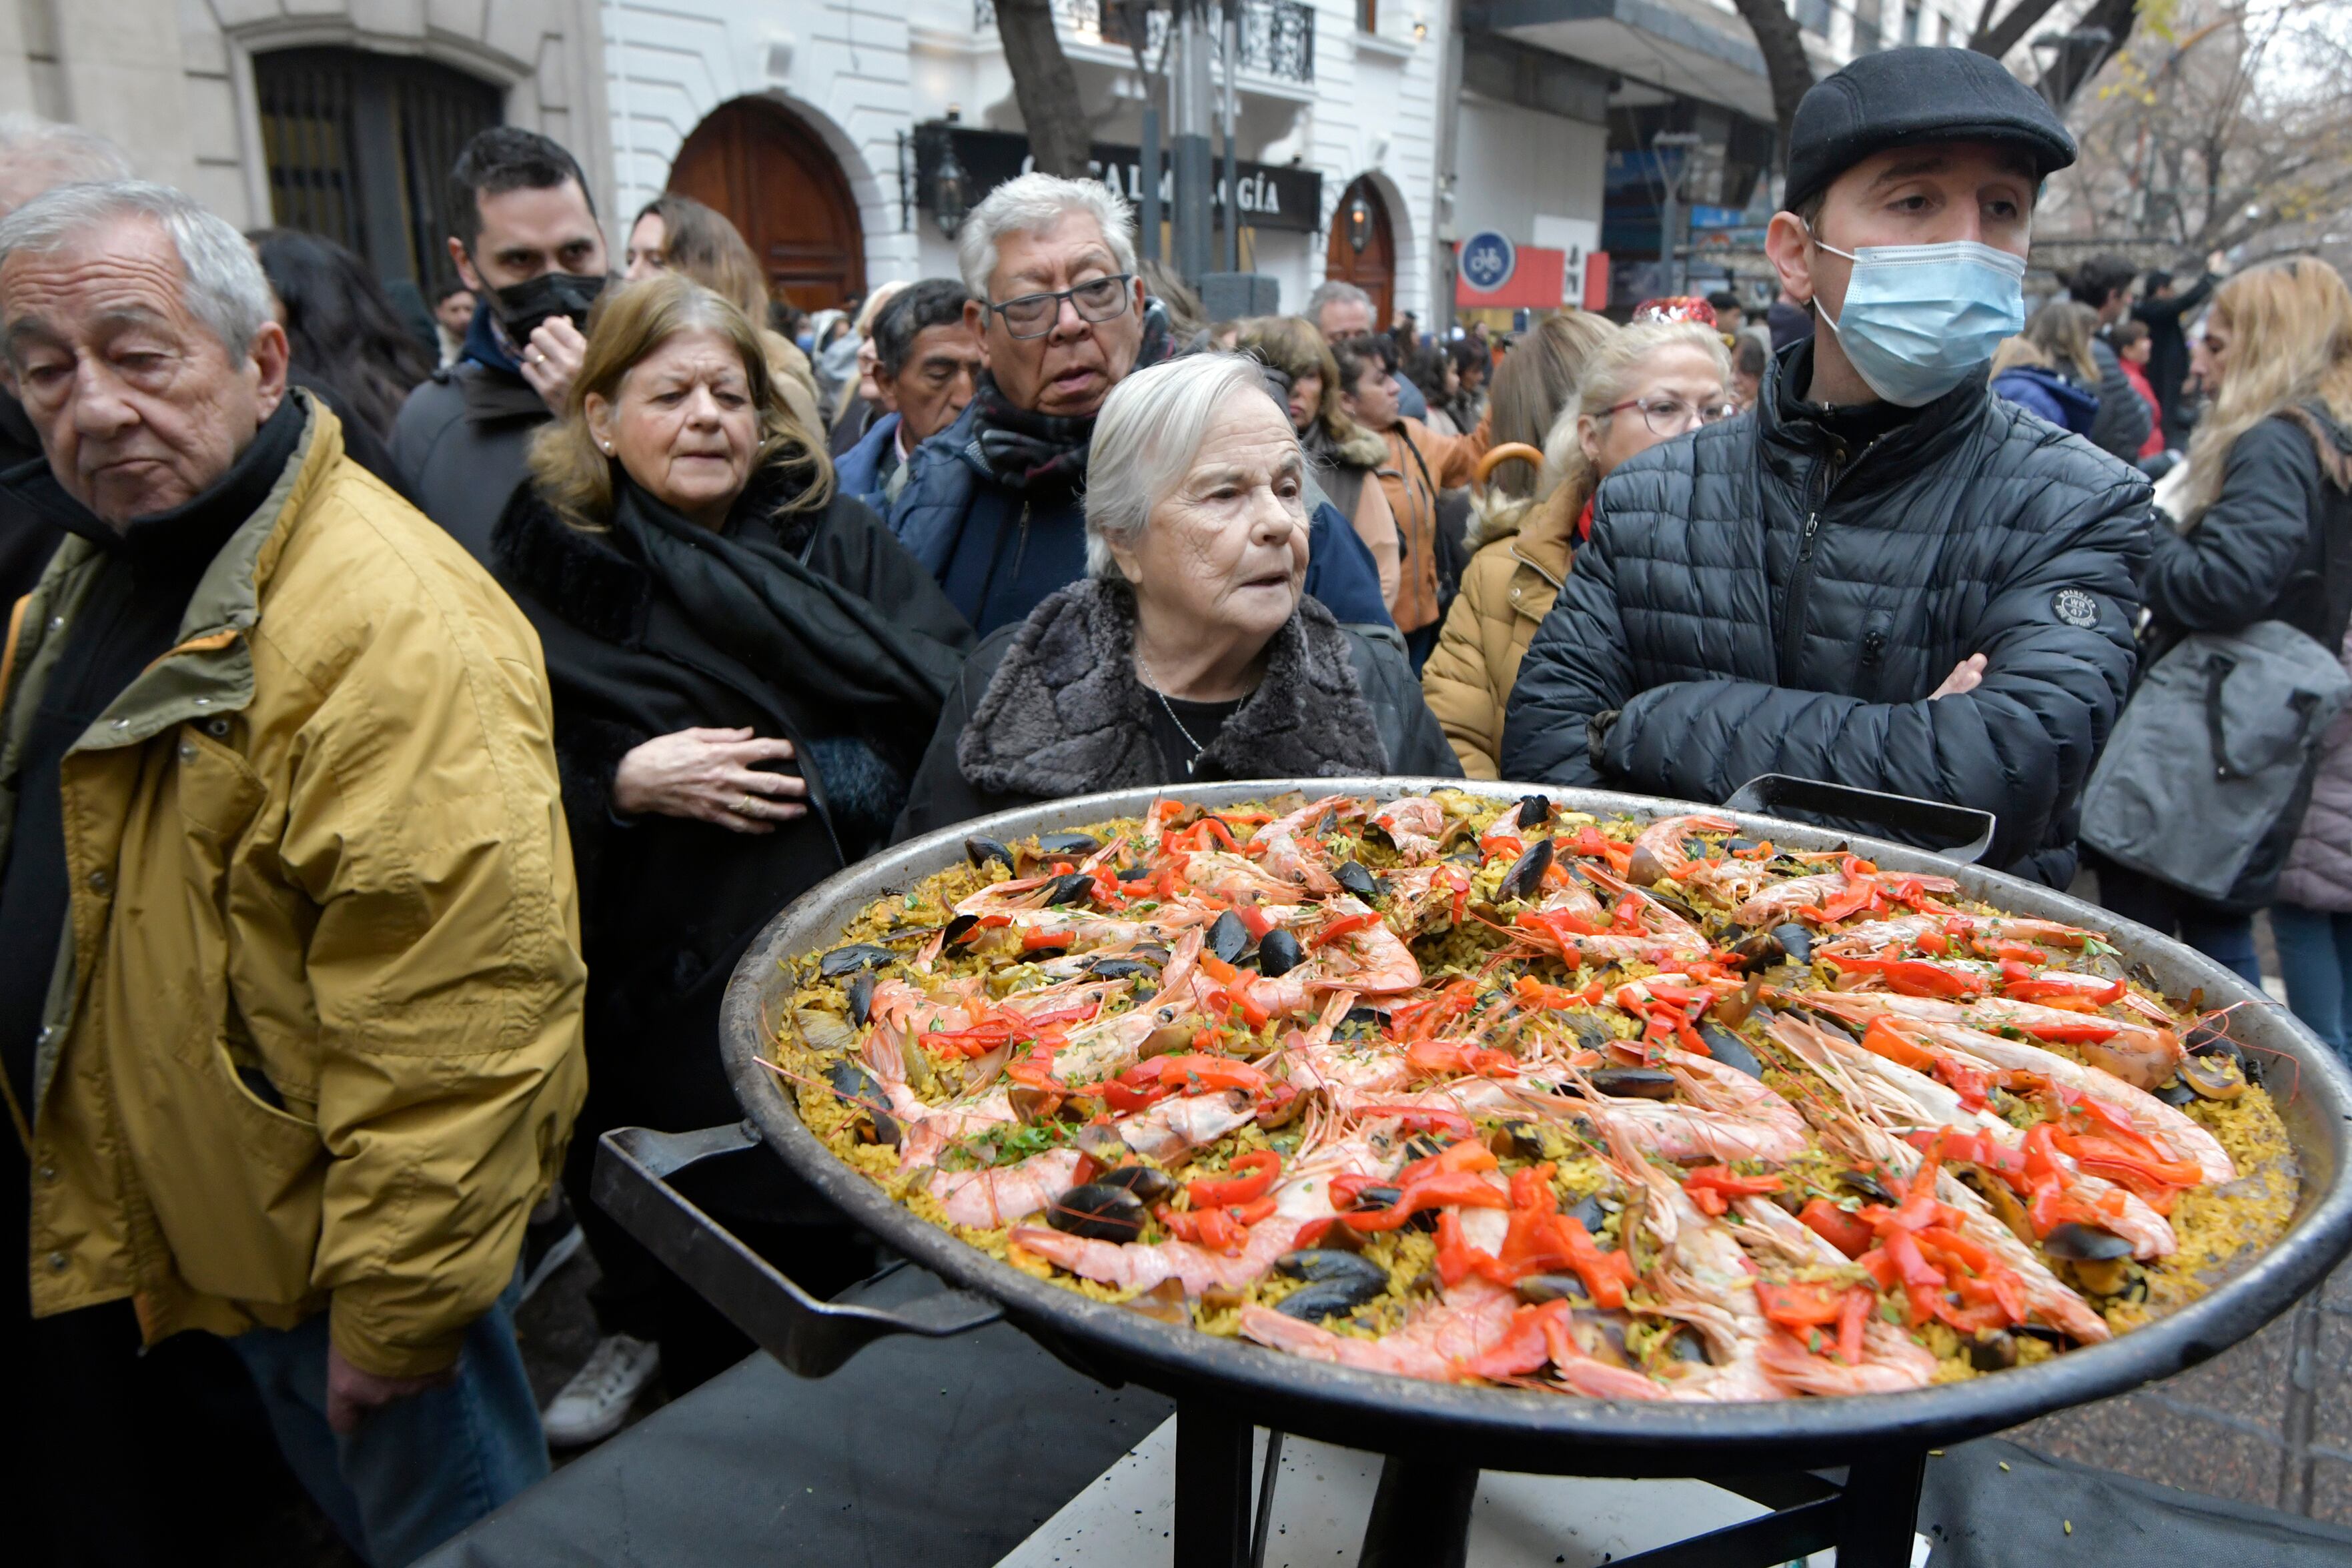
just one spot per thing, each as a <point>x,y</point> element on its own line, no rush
<point>527,246</point>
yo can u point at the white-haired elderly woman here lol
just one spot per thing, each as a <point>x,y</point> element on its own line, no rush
<point>1189,652</point>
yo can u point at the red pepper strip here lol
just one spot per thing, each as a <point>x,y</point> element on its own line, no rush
<point>1605,1274</point>
<point>1457,1259</point>
<point>1836,1226</point>
<point>1530,992</point>
<point>1858,893</point>
<point>1420,1119</point>
<point>1467,1156</point>
<point>1881,1040</point>
<point>1237,996</point>
<point>1933,941</point>
<point>1976,1149</point>
<point>1922,1281</point>
<point>1562,925</point>
<point>2106,1157</point>
<point>1713,1187</point>
<point>1798,1306</point>
<point>1524,1347</point>
<point>1345,1188</point>
<point>1033,940</point>
<point>1310,1235</point>
<point>1853,1312</point>
<point>1206,1072</point>
<point>1254,920</point>
<point>1465,1189</point>
<point>1252,1173</point>
<point>1217,969</point>
<point>1971,1086</point>
<point>2090,1030</point>
<point>1456,1057</point>
<point>1337,928</point>
<point>1916,978</point>
<point>1127,1098</point>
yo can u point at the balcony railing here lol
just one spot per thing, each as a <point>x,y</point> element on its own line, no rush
<point>1277,36</point>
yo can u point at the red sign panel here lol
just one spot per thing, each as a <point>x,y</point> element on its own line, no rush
<point>1539,282</point>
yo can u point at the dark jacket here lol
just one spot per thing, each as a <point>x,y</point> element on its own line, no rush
<point>999,556</point>
<point>2123,419</point>
<point>2167,350</point>
<point>2042,391</point>
<point>1789,323</point>
<point>2275,545</point>
<point>27,540</point>
<point>1051,707</point>
<point>463,440</point>
<point>668,905</point>
<point>864,469</point>
<point>1756,599</point>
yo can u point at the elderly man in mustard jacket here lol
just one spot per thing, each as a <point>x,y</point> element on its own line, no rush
<point>290,986</point>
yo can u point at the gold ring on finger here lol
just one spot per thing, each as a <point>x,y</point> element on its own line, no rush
<point>743,807</point>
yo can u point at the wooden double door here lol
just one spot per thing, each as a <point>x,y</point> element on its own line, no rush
<point>1363,248</point>
<point>775,179</point>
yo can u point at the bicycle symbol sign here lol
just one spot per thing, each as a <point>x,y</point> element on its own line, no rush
<point>1488,259</point>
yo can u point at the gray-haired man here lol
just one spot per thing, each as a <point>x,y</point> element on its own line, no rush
<point>1342,311</point>
<point>289,997</point>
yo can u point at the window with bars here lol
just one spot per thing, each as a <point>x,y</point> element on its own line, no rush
<point>359,147</point>
<point>1911,24</point>
<point>1367,15</point>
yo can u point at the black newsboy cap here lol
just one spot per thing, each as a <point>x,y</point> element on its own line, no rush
<point>1896,97</point>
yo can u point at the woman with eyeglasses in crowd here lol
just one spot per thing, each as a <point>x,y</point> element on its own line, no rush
<point>1640,385</point>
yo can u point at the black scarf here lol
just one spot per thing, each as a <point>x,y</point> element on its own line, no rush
<point>1043,455</point>
<point>752,593</point>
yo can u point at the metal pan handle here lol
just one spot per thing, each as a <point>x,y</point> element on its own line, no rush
<point>1964,826</point>
<point>811,1337</point>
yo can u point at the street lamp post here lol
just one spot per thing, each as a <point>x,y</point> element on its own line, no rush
<point>1670,213</point>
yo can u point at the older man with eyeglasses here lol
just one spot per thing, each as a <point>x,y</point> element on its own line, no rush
<point>992,504</point>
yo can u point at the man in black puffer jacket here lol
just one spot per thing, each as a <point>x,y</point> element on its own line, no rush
<point>1885,576</point>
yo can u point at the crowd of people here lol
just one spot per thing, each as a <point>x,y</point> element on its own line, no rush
<point>409,718</point>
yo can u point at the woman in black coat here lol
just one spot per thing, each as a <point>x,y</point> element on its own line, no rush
<point>2266,535</point>
<point>1189,652</point>
<point>745,668</point>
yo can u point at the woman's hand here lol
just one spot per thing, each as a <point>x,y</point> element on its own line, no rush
<point>710,775</point>
<point>1965,676</point>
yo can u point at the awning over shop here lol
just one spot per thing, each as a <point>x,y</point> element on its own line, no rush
<point>1692,50</point>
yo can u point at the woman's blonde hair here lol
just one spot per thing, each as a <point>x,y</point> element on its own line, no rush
<point>1292,345</point>
<point>1609,372</point>
<point>1535,382</point>
<point>573,474</point>
<point>2016,352</point>
<point>2290,342</point>
<point>2062,329</point>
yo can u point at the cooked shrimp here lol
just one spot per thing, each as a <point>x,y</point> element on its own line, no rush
<point>1468,1321</point>
<point>985,1199</point>
<point>1662,840</point>
<point>1891,1361</point>
<point>1292,854</point>
<point>1413,824</point>
<point>2140,1055</point>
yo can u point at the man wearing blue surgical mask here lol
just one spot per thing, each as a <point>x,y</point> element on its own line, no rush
<point>1883,577</point>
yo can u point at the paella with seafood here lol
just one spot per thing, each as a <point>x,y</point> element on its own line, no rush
<point>1475,1090</point>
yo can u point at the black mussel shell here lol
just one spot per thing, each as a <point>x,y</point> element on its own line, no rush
<point>1149,1182</point>
<point>1371,1018</point>
<point>1537,1289</point>
<point>1328,1297</point>
<point>1588,1212</point>
<point>1420,1145</point>
<point>1320,1265</point>
<point>1356,879</point>
<point>1995,1350</point>
<point>1101,1140</point>
<point>1136,873</point>
<point>1119,968</point>
<point>1867,1184</point>
<point>1795,941</point>
<point>861,997</point>
<point>1535,811</point>
<point>1382,1196</point>
<point>856,955</point>
<point>1077,887</point>
<point>2213,1077</point>
<point>857,1086</point>
<point>2175,1094</point>
<point>2041,1331</point>
<point>1527,873</point>
<point>1098,1212</point>
<point>1229,938</point>
<point>1516,1140</point>
<point>1734,845</point>
<point>2204,1039</point>
<point>2085,1243</point>
<point>1633,1083</point>
<point>1831,1022</point>
<point>1278,953</point>
<point>1686,1344</point>
<point>1754,954</point>
<point>1678,907</point>
<point>1730,1049</point>
<point>980,849</point>
<point>1067,844</point>
<point>960,928</point>
<point>1590,1031</point>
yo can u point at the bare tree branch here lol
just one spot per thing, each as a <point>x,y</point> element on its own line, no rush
<point>1044,87</point>
<point>1998,38</point>
<point>1782,43</point>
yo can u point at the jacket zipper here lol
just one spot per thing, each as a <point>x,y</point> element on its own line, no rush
<point>1801,583</point>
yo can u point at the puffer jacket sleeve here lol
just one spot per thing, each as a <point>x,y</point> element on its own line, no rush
<point>425,824</point>
<point>1457,679</point>
<point>1576,668</point>
<point>2123,420</point>
<point>2226,573</point>
<point>2020,745</point>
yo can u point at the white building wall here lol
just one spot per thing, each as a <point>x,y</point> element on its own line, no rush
<point>1515,166</point>
<point>860,78</point>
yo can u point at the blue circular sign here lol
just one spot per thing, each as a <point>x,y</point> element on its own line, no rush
<point>1488,259</point>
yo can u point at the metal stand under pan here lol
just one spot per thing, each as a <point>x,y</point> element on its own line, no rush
<point>1421,1514</point>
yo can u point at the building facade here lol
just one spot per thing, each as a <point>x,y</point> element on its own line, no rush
<point>339,116</point>
<point>818,128</point>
